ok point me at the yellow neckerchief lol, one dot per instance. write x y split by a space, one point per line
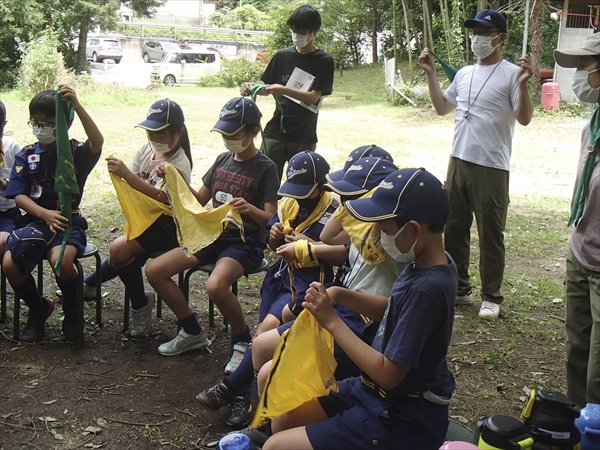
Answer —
289 208
197 227
363 235
140 211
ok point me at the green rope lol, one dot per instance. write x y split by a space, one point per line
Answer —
447 68
254 89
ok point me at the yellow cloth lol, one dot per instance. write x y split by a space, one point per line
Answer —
363 235
303 368
289 209
197 227
305 255
140 211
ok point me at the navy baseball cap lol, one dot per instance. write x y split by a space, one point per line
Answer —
488 18
412 194
236 114
356 154
2 118
362 176
161 114
305 171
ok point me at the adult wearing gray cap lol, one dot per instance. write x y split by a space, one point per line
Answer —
488 97
583 262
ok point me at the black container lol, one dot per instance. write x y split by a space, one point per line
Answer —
501 433
550 419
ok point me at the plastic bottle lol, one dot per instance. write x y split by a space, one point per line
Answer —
589 426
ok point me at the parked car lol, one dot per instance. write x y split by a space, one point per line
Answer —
185 66
155 50
99 49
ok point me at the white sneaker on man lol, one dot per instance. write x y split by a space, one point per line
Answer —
183 342
489 310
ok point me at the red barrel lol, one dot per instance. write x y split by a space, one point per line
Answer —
551 96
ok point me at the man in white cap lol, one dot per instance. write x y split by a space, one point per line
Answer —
488 97
583 262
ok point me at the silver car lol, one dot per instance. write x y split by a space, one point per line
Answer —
155 50
99 49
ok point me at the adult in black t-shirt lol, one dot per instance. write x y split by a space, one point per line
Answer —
298 130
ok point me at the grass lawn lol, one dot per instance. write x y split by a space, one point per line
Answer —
494 362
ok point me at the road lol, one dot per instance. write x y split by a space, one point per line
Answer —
131 74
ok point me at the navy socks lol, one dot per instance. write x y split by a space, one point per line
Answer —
107 271
244 337
69 290
130 272
240 380
30 295
190 325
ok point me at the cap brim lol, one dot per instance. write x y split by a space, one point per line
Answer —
152 125
472 22
343 187
297 191
568 58
366 210
228 128
332 177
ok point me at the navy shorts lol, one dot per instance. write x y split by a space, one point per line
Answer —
351 424
161 236
8 219
77 238
230 245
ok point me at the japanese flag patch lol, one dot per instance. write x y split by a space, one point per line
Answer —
33 158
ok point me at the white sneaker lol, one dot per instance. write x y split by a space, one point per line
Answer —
142 318
89 292
183 342
239 350
489 310
464 299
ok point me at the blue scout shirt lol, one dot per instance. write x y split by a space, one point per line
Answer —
34 168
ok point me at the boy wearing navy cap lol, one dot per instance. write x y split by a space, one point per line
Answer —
401 399
301 216
488 98
32 187
356 154
246 179
8 210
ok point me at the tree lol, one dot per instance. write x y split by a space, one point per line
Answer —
18 23
75 18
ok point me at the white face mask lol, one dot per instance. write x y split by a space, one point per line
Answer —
389 245
44 135
236 146
300 40
160 148
582 88
482 46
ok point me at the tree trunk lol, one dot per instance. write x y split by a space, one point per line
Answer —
536 38
407 30
374 36
83 32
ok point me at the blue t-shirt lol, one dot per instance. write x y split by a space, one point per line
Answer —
417 327
34 171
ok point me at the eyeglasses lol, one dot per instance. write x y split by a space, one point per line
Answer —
486 33
42 125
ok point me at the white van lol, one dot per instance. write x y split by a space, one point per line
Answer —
185 66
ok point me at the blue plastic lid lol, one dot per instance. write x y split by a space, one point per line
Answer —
235 441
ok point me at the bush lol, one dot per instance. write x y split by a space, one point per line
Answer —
43 66
233 73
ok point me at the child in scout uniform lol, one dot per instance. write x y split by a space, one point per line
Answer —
401 399
167 143
32 183
302 214
9 212
245 179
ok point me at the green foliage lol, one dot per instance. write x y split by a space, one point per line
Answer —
43 66
281 37
247 17
18 21
233 73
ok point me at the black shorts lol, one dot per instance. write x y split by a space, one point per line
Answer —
161 236
248 253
